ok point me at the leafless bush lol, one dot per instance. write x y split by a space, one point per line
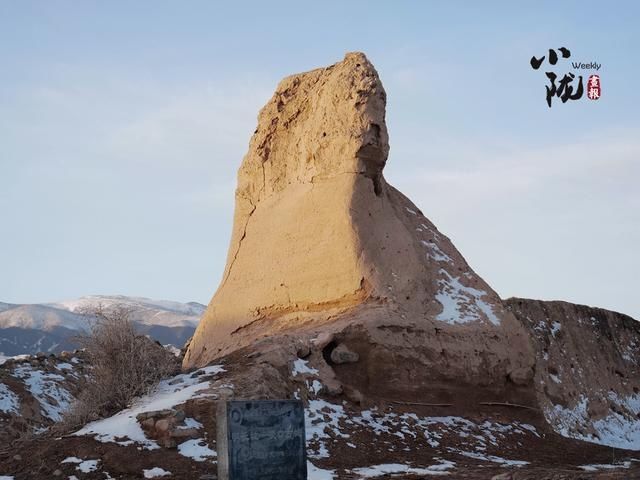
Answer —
124 365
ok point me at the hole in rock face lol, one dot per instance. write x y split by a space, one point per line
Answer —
326 352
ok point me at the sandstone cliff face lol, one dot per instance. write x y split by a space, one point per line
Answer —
587 372
321 244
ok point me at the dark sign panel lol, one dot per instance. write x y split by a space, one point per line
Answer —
261 440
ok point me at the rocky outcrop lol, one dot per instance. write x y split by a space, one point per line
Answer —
587 370
36 391
330 263
322 243
167 427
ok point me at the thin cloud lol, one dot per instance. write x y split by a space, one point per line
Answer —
472 172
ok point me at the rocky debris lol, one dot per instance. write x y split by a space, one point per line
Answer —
35 391
403 440
342 354
167 427
587 370
323 248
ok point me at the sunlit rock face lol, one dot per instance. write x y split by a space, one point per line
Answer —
322 243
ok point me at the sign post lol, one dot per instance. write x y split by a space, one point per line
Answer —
261 440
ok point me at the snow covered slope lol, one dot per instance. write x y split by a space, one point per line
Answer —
35 390
171 430
587 370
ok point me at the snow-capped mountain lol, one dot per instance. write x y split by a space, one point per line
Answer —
31 328
41 317
143 310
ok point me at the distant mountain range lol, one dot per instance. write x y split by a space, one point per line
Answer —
51 327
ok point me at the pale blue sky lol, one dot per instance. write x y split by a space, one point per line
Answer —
122 125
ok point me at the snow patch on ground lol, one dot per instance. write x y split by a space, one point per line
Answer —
615 430
436 253
435 233
329 416
327 422
155 472
599 466
123 427
191 423
301 367
315 473
490 458
314 387
45 387
85 466
64 366
9 401
630 403
565 420
3 359
88 466
196 450
461 304
630 354
396 468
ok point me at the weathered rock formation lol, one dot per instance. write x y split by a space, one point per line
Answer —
587 370
338 292
322 243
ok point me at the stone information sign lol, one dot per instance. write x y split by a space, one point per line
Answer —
261 440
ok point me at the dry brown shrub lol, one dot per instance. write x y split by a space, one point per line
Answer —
124 365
